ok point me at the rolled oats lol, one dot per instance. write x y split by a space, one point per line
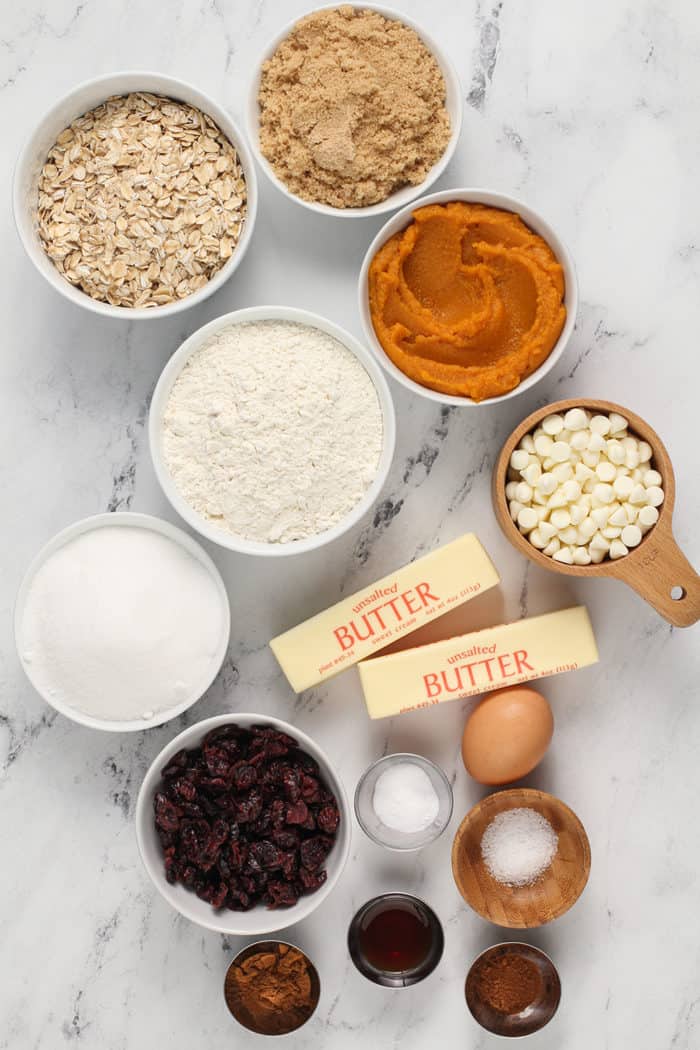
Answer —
141 201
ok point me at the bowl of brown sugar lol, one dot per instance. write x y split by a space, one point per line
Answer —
512 989
354 110
272 988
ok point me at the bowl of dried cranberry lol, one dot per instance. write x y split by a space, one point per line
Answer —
242 825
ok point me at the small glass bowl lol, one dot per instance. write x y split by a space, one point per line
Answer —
396 978
390 837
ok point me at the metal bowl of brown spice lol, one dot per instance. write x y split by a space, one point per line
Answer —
513 989
272 988
354 110
135 196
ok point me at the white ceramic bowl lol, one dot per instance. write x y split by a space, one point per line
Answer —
259 920
453 103
164 528
80 100
162 393
532 219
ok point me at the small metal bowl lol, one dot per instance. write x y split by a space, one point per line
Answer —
395 978
533 1016
390 837
242 1015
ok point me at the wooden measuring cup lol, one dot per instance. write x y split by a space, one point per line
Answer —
657 569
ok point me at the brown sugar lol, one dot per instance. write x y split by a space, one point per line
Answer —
352 108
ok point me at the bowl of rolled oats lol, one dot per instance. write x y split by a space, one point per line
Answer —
135 196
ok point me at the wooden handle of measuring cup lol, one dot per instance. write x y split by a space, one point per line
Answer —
658 571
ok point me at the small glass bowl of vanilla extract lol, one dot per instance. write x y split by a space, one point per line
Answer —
395 940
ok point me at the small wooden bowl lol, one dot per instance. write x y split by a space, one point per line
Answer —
657 569
522 907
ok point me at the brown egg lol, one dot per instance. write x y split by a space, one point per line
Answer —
507 735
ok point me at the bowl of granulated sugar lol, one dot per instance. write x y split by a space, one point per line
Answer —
122 622
271 431
354 110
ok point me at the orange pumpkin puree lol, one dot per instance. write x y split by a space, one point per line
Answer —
467 300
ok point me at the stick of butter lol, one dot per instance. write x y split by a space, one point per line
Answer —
383 611
478 662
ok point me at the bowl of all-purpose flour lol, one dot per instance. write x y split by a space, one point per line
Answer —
122 622
271 430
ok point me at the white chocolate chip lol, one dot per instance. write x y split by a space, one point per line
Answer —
610 532
575 419
552 547
591 459
553 425
523 493
527 443
560 518
546 530
531 473
600 425
600 516
579 440
519 459
537 539
564 555
546 483
645 452
527 518
560 452
569 535
618 517
603 493
599 543
631 535
596 442
615 452
514 507
623 486
581 556
647 517
543 445
617 423
597 556
617 550
606 471
638 494
651 478
655 496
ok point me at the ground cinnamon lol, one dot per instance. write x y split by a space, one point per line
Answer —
272 991
508 983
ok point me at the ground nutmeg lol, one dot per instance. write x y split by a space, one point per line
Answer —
508 983
272 991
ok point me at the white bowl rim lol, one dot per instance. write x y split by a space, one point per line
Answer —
532 218
155 83
280 918
163 528
408 193
174 366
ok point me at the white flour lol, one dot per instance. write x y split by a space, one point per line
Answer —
122 623
273 431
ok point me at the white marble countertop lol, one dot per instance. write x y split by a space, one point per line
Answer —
589 111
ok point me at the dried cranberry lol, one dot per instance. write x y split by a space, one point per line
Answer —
286 838
167 813
314 851
281 894
237 819
328 819
245 776
297 813
175 765
312 880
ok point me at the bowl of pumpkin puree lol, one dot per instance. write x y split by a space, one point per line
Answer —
468 297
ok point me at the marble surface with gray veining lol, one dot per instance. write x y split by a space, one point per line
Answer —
586 109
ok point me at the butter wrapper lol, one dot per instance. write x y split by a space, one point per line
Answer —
478 662
378 614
